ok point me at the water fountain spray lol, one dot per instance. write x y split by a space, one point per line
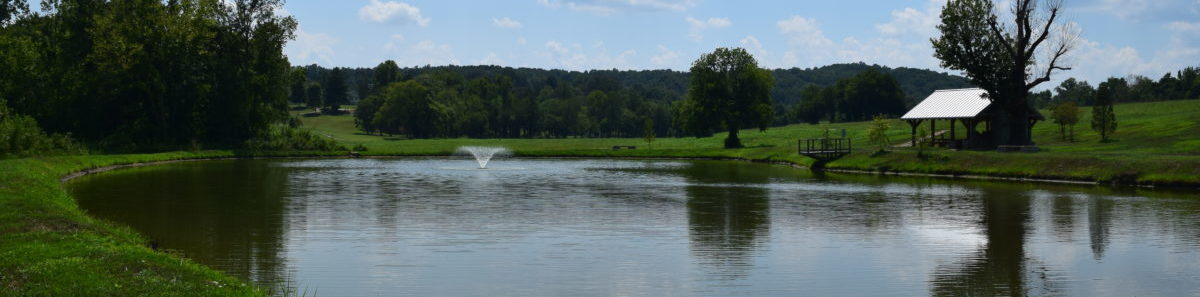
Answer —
483 154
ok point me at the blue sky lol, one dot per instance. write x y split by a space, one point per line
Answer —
1117 37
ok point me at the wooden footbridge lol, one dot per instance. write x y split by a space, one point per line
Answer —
825 149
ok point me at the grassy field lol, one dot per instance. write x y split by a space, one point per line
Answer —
1156 143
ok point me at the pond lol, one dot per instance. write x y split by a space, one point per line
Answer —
547 227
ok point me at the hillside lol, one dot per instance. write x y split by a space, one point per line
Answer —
667 85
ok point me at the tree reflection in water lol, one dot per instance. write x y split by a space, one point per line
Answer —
728 216
1002 267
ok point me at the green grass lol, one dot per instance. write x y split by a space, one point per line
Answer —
1156 143
49 247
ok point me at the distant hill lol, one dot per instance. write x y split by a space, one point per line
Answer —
670 85
916 83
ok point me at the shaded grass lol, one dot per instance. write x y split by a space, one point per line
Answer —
1155 144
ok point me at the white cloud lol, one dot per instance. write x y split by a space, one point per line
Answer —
422 53
665 58
804 32
809 47
521 40
311 48
1184 27
911 21
1148 10
491 59
608 7
698 26
574 57
392 12
506 22
755 47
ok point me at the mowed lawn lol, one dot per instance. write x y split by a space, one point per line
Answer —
1155 143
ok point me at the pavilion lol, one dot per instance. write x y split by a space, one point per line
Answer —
971 107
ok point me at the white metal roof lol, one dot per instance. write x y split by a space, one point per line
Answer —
950 104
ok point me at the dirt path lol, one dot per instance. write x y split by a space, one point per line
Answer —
909 142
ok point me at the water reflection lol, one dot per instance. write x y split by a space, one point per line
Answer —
1002 267
651 228
1099 221
234 225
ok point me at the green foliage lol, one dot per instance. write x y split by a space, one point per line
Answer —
385 74
407 108
1065 114
728 91
335 91
1104 120
20 136
648 131
1071 90
856 98
285 138
877 132
999 57
136 75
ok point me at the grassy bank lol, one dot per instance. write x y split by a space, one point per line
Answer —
49 247
1156 144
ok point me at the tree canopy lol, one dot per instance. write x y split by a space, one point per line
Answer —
1007 60
728 90
135 75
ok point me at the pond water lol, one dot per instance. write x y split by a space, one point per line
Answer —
534 227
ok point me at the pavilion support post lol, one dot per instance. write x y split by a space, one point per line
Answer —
952 121
914 124
932 131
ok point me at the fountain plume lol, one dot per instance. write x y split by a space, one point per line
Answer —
483 154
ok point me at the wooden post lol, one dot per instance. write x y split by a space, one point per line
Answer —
932 131
953 138
914 124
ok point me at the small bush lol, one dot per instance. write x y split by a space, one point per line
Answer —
285 138
20 136
360 148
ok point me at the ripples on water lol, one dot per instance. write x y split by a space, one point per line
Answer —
424 227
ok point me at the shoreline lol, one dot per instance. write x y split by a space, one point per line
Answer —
946 176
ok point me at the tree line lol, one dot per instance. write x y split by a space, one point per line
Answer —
1181 85
493 101
140 75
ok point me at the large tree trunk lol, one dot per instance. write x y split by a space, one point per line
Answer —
732 141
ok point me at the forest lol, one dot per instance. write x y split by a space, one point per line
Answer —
146 75
493 101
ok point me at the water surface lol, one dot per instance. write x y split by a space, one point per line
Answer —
425 227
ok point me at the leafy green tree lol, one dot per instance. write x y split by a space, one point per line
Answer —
296 92
408 109
335 90
877 132
1076 91
315 94
648 132
10 9
728 90
385 74
1104 120
1066 114
1001 58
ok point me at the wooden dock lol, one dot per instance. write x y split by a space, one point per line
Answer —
825 149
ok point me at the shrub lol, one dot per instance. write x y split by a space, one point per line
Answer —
285 138
20 136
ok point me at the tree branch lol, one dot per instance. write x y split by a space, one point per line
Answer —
999 35
1058 53
1045 29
